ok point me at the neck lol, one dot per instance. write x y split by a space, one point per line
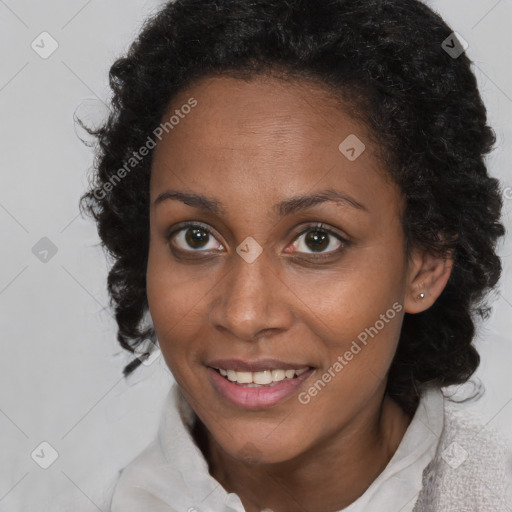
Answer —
329 476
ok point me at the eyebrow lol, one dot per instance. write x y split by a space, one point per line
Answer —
287 207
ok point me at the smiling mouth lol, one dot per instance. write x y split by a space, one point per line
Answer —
265 378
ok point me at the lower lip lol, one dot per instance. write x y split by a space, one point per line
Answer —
256 398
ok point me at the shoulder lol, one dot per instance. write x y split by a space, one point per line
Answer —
472 468
135 481
89 495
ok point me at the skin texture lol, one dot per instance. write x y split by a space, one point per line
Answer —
251 145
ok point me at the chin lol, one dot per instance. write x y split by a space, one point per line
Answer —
257 450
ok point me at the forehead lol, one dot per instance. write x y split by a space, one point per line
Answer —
236 111
265 137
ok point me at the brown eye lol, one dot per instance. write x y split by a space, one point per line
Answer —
196 238
319 239
193 238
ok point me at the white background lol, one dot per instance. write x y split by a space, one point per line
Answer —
60 368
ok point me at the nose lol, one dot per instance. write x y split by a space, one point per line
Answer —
251 301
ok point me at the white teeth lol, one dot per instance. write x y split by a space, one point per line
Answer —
278 375
254 379
244 377
264 377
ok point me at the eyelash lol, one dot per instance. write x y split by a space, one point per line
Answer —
315 227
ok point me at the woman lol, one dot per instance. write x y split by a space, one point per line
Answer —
295 192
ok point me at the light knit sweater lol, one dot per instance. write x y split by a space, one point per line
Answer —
446 462
472 468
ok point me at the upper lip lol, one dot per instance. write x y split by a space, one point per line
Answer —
255 366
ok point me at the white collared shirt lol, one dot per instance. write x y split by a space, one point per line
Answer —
171 474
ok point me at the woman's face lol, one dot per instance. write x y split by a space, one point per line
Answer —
247 282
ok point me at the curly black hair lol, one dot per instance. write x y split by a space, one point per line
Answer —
388 62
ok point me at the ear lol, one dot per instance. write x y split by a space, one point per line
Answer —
427 273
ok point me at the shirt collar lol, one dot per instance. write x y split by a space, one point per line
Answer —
395 489
172 474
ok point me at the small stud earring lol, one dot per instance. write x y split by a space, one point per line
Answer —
421 296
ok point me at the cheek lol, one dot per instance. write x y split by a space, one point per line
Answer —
357 314
355 368
173 292
175 306
343 303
